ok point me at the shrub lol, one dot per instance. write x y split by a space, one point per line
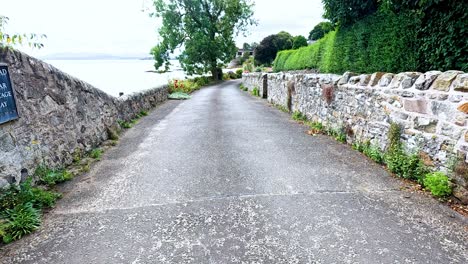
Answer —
338 134
44 199
316 127
373 152
414 168
4 229
341 136
186 86
25 193
310 57
384 41
202 81
124 124
298 116
96 154
256 91
239 73
233 75
19 221
248 66
403 165
394 136
438 184
51 177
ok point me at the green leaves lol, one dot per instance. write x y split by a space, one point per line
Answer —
19 221
299 41
9 40
203 29
320 30
401 36
268 48
438 184
20 209
346 13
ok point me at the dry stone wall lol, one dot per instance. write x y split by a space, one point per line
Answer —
432 108
59 115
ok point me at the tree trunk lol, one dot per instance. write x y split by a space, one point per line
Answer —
217 74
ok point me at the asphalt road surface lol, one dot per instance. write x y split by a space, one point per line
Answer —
226 178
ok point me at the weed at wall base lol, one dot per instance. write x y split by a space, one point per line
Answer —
96 154
51 177
438 184
19 221
282 108
20 209
298 116
124 124
255 91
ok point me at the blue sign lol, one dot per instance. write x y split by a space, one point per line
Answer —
8 110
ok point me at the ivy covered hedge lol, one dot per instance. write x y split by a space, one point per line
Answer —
390 41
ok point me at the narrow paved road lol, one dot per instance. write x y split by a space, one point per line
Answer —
225 178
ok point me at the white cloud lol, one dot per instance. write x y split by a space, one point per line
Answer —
120 26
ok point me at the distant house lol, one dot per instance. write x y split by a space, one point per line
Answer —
241 52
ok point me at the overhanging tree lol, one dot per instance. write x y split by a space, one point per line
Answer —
320 30
266 51
299 41
204 30
346 13
9 40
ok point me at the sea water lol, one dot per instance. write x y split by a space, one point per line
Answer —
119 76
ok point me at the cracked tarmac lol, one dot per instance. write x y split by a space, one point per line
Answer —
225 178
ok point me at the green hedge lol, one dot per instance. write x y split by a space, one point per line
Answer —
313 56
383 41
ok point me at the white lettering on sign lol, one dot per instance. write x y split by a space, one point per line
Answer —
5 95
3 86
3 72
3 104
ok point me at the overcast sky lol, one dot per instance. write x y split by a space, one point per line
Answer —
120 27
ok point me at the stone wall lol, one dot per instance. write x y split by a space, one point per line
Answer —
59 115
432 107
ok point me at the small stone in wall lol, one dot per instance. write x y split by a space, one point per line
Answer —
451 130
407 94
7 143
455 98
463 108
354 79
443 81
375 78
426 159
417 106
425 80
425 124
408 79
461 83
364 79
442 97
345 78
461 193
397 81
386 79
460 120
